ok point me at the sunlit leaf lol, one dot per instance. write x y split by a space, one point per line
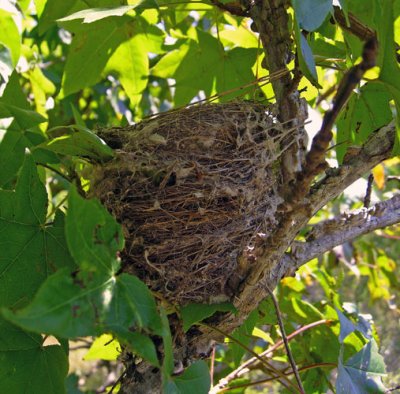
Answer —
9 35
105 347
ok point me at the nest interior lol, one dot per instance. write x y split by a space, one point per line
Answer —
192 189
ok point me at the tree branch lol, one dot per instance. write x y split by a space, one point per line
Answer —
326 235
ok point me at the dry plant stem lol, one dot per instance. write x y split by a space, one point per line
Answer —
286 342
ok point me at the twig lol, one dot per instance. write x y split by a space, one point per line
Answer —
253 362
367 198
269 367
212 364
286 342
306 368
355 27
116 382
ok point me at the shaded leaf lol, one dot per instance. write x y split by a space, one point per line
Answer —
194 313
133 302
27 244
168 362
93 235
195 380
362 373
306 57
364 113
63 307
38 370
311 13
139 344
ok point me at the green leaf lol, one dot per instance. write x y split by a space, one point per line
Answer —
243 335
130 61
346 326
365 112
27 366
133 302
55 9
27 244
89 52
64 307
93 235
9 35
195 380
305 56
311 13
205 65
23 118
390 70
13 338
168 362
362 373
42 369
105 347
90 15
194 313
140 344
78 141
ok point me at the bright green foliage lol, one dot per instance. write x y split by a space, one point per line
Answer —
105 347
69 67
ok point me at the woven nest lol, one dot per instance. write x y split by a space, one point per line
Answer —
192 189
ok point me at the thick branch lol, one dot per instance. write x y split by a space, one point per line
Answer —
327 235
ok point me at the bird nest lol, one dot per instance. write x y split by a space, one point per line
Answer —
192 189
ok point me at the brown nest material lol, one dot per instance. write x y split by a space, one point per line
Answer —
192 189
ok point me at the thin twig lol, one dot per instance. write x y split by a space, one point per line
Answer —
117 381
367 198
285 341
212 362
269 367
306 368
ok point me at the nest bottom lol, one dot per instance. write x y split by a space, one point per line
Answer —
192 189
